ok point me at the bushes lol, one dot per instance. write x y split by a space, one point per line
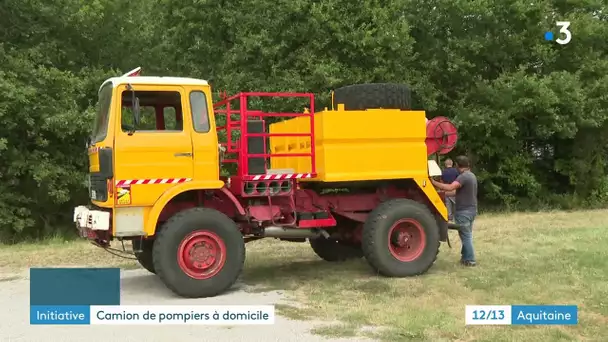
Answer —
532 114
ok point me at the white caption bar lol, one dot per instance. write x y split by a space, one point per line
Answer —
183 315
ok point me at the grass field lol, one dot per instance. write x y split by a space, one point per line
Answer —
542 258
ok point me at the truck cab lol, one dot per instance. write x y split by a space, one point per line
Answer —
150 134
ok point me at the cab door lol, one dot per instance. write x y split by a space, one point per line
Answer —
154 156
204 136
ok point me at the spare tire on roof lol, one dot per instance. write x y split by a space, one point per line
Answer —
373 95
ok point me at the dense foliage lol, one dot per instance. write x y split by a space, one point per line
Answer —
532 114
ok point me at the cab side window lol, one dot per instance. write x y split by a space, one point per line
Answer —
170 119
200 113
158 111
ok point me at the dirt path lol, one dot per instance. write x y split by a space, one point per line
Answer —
141 288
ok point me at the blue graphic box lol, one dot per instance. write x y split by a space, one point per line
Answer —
74 286
64 295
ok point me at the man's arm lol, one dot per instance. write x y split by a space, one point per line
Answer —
446 187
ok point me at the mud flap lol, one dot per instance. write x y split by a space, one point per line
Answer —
453 226
443 230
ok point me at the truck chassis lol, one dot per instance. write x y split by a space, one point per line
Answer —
198 249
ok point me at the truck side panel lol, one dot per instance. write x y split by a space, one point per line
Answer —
356 145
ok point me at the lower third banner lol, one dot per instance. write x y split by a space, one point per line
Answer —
154 315
521 314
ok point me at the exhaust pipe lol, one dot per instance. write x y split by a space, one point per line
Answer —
280 232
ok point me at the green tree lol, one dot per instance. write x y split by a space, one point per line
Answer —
531 113
54 55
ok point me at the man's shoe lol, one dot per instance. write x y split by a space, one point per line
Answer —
468 263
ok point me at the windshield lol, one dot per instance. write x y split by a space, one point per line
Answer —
100 127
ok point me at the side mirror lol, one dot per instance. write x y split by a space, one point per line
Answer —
134 106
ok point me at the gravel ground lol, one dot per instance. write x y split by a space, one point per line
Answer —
142 288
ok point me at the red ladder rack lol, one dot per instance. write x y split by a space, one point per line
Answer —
240 148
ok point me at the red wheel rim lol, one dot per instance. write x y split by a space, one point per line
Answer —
406 240
201 254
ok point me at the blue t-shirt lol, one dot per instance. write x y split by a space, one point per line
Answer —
449 175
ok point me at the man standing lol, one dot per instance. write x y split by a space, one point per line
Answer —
465 209
448 176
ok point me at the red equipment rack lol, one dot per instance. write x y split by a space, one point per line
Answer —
240 147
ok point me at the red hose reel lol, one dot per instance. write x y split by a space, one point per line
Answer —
441 135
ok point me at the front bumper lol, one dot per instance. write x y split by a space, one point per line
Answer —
89 222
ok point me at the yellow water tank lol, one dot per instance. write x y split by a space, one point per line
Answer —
371 144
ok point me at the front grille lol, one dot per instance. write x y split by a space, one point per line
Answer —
98 190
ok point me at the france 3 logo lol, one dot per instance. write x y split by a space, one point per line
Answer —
565 34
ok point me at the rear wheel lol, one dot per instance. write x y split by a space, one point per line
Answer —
200 252
401 238
143 252
334 250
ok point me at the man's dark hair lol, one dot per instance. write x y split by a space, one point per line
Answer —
463 161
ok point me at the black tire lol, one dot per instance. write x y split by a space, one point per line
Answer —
215 225
375 240
333 251
374 95
143 252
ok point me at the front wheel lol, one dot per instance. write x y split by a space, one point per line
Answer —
401 238
199 253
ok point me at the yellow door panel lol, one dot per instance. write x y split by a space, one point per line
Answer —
151 160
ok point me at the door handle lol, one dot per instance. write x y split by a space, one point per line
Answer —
183 154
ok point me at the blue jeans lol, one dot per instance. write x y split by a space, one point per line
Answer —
449 203
465 220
